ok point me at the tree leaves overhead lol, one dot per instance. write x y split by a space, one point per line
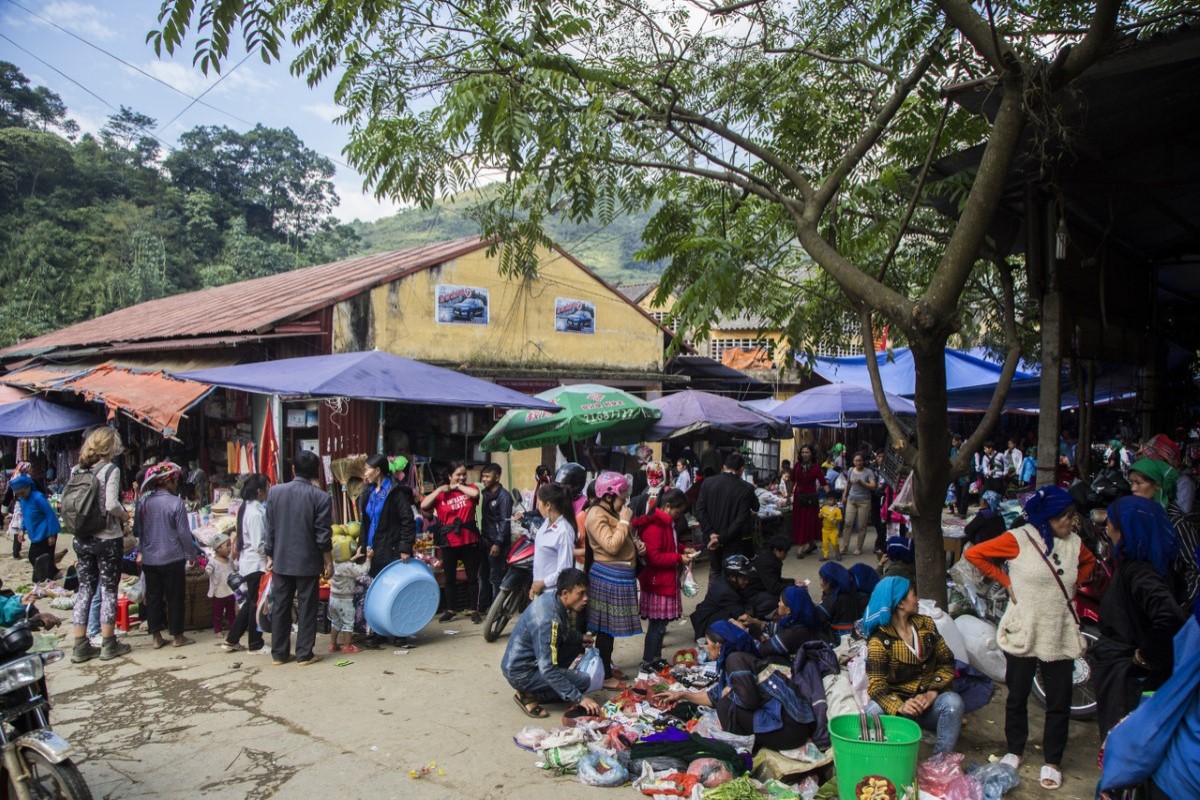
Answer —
91 226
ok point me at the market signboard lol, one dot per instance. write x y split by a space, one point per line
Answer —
574 316
461 305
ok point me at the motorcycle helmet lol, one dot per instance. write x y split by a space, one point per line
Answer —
573 476
738 565
611 483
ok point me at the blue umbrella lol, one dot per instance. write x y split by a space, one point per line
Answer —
838 405
372 375
692 412
27 419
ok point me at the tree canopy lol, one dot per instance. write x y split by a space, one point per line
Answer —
788 144
95 223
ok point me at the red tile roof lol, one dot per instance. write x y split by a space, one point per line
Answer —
253 306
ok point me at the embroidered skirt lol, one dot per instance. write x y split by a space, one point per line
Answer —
613 600
657 606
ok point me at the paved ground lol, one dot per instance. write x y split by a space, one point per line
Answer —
196 722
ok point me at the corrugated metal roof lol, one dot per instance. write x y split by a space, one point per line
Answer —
636 291
41 377
253 306
152 398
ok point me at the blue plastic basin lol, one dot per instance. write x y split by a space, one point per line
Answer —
402 599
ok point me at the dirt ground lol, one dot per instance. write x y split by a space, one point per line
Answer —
197 722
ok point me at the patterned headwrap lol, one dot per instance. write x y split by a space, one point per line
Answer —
161 472
1160 473
1160 447
1146 533
1046 504
656 474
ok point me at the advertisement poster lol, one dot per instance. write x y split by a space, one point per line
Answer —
461 305
574 316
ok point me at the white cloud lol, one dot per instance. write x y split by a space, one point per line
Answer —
192 81
357 204
81 18
324 111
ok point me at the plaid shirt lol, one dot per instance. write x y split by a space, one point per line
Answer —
895 674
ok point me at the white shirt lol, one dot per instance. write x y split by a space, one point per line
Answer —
683 482
553 551
1015 457
254 530
1185 493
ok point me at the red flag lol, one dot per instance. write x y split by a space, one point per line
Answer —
268 450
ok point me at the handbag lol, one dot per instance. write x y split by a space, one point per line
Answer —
806 500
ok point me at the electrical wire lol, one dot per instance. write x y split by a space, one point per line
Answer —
214 85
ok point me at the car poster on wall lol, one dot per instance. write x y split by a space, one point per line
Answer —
462 305
574 316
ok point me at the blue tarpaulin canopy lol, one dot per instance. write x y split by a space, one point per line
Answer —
898 372
372 375
33 417
838 405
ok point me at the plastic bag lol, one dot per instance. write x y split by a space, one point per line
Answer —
529 738
597 769
592 666
996 779
964 787
710 771
562 759
689 586
936 774
858 679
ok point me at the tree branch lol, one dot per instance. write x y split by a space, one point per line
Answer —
833 181
1094 45
899 435
871 65
982 36
972 228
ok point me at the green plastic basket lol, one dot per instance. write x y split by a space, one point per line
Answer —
854 759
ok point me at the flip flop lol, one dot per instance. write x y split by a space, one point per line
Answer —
536 711
1051 777
1011 759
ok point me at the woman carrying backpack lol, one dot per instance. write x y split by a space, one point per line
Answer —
98 553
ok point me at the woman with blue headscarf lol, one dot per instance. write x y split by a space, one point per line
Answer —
1138 615
909 665
749 696
797 620
1039 632
841 604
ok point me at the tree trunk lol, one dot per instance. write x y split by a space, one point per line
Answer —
932 470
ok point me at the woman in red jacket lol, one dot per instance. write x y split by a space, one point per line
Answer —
660 601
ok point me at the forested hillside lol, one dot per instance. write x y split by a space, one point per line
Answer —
93 223
608 250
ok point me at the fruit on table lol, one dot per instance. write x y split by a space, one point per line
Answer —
875 787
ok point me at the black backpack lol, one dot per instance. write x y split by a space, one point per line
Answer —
82 508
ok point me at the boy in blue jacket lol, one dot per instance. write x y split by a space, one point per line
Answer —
40 524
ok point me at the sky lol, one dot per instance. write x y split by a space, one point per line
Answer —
94 85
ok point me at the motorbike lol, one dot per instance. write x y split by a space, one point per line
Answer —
36 762
513 597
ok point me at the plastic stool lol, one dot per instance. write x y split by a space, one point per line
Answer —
123 616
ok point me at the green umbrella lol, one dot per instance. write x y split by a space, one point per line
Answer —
588 409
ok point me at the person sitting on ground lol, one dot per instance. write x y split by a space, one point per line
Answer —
864 579
797 620
842 605
767 581
900 559
988 523
727 596
536 661
40 523
751 698
909 665
17 608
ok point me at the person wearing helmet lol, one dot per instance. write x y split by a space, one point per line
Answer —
611 564
725 508
727 597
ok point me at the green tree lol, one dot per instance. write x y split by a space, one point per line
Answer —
764 126
26 106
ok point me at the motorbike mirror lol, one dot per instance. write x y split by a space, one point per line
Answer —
516 496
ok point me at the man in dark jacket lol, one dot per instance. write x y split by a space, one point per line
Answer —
496 533
727 598
725 510
298 546
767 582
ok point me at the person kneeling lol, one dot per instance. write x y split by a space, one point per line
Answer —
536 661
909 665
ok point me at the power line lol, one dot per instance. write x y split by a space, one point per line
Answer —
133 67
214 85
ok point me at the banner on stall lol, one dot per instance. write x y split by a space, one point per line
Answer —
574 316
461 305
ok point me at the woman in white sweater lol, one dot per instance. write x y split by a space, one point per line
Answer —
1046 563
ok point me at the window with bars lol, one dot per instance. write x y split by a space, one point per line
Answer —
717 347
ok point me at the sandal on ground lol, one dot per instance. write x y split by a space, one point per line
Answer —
530 707
1011 759
1051 777
619 675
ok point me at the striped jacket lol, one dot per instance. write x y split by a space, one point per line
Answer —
895 673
